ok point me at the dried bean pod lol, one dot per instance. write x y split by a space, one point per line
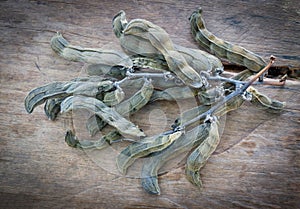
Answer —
160 40
223 49
105 58
187 141
127 107
200 155
107 114
143 148
197 59
64 89
264 101
119 23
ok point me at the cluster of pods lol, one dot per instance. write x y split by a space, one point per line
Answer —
159 70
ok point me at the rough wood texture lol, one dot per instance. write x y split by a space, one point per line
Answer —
257 164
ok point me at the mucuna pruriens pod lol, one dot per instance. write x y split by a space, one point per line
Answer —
104 57
107 114
223 49
200 155
186 142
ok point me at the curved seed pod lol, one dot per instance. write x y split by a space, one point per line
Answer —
197 59
107 114
114 97
105 57
183 144
52 108
145 38
133 44
200 155
223 49
143 148
64 89
119 23
129 106
264 101
136 45
137 101
72 140
39 95
161 41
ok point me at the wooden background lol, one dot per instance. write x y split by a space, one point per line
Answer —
257 164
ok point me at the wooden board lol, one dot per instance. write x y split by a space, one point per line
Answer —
257 164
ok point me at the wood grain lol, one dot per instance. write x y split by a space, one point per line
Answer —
257 164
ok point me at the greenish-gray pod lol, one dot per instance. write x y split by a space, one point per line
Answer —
199 60
200 155
64 89
127 107
158 40
187 141
107 114
144 38
105 58
166 71
145 147
264 101
223 49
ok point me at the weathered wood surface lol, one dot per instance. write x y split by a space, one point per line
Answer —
257 164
